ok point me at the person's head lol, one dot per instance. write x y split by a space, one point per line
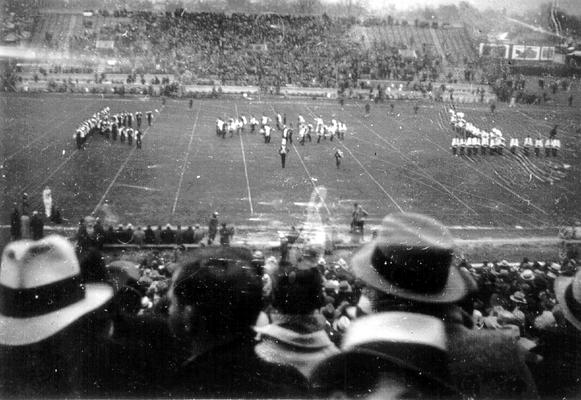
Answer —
298 291
216 293
390 355
89 223
411 260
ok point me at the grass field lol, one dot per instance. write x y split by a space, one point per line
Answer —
393 162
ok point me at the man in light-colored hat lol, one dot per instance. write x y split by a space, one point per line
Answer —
557 375
389 355
52 323
408 267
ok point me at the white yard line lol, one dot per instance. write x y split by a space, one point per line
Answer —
373 179
57 169
48 132
366 171
175 203
309 175
121 168
425 174
311 179
245 167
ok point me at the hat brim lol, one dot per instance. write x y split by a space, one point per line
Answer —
455 289
561 284
24 331
519 301
325 371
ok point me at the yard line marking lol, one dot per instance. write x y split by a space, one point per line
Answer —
139 187
443 191
311 180
525 200
365 169
309 175
373 179
425 174
49 131
175 203
52 173
245 167
121 168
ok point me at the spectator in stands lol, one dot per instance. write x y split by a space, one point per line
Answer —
213 227
215 298
138 237
149 235
25 226
15 231
110 237
389 355
297 337
557 375
188 236
54 326
89 235
198 234
179 235
226 233
157 234
408 268
168 235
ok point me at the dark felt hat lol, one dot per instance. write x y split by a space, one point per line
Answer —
411 258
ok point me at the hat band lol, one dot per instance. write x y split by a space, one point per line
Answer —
573 305
32 302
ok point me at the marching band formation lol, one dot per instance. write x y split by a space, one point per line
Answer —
472 140
120 125
306 131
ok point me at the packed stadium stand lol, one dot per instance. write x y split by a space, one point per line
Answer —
255 49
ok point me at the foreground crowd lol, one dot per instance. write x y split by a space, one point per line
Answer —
400 320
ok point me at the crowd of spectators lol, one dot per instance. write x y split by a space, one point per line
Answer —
246 324
248 49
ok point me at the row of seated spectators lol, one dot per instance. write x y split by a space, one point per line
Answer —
253 49
92 234
401 317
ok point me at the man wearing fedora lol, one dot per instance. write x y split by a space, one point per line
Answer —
557 375
389 355
53 325
408 267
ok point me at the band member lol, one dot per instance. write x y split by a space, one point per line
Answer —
283 151
138 138
338 157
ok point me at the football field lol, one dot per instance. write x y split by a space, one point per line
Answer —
393 161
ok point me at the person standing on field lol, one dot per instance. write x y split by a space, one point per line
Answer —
283 151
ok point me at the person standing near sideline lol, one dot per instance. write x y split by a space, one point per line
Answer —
338 157
358 221
283 151
213 227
